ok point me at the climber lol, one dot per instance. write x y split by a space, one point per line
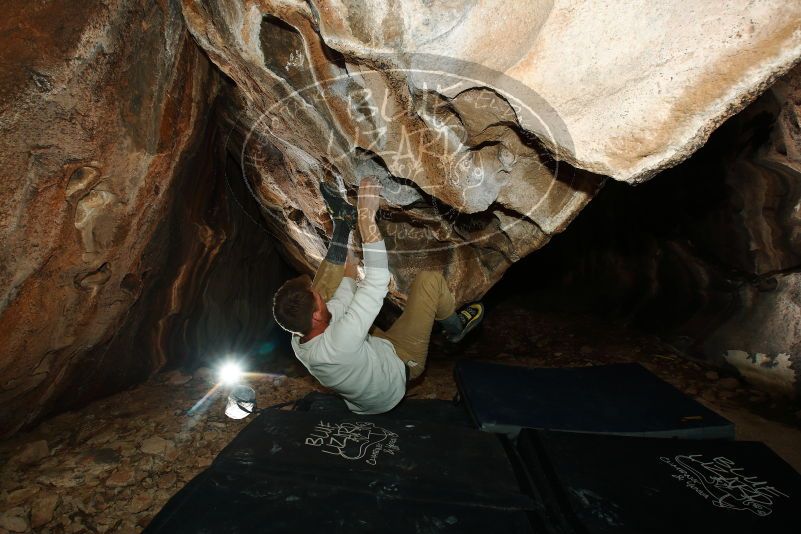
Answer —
331 317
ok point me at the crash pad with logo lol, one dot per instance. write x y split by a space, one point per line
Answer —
328 470
602 484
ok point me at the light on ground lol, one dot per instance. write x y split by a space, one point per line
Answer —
230 373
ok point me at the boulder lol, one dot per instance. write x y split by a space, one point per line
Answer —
467 190
623 89
640 85
481 119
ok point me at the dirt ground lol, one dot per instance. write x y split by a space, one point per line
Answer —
111 466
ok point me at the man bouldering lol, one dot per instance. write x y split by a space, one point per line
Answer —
331 318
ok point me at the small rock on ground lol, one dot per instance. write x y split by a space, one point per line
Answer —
32 452
123 476
140 502
156 446
177 378
42 510
14 520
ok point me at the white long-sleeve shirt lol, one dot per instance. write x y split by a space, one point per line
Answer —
362 368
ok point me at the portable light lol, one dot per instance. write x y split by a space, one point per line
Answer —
229 373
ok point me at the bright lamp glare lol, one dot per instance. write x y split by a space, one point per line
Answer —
230 373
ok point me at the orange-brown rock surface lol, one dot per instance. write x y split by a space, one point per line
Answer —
102 103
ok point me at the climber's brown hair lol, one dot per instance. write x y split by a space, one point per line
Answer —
294 304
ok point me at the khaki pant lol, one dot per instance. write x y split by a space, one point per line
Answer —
429 299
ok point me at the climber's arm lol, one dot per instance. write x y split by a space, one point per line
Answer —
352 265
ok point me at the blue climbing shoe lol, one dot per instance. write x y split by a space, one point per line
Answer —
471 316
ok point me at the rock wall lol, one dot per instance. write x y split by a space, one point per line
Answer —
709 253
103 105
762 338
476 116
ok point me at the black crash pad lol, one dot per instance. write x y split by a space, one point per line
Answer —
224 503
623 399
597 484
406 458
421 410
328 470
